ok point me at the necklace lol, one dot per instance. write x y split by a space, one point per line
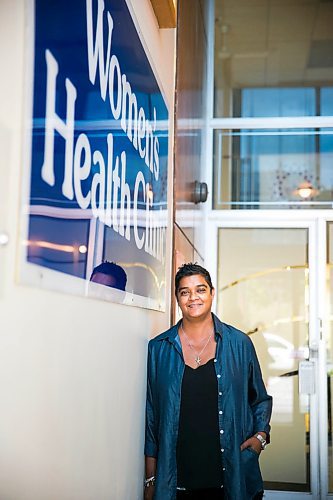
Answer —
197 355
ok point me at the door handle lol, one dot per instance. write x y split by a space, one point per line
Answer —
306 377
4 238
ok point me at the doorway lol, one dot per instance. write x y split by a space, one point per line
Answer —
274 282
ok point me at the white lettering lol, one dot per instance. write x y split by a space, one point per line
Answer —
54 123
124 193
149 204
114 66
132 112
139 180
149 146
98 185
96 53
82 172
141 131
108 209
156 158
123 101
109 193
116 185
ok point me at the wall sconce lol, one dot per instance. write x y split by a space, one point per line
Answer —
305 190
200 192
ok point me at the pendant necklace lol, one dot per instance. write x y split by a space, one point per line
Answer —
197 355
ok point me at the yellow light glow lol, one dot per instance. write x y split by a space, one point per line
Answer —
50 246
306 190
83 249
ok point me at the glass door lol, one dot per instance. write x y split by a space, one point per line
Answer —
326 304
265 275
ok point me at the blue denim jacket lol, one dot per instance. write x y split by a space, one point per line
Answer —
243 404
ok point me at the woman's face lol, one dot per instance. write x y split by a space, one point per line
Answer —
195 297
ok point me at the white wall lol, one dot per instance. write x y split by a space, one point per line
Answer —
72 370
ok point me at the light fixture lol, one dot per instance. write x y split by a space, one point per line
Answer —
305 190
83 249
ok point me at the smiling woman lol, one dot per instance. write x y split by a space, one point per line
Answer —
195 298
208 411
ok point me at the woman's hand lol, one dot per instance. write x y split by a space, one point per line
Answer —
150 467
253 443
149 492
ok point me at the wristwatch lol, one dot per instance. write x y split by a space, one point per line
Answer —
150 481
262 441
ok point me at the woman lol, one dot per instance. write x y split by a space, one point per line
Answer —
208 412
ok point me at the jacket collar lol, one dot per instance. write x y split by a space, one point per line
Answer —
218 325
172 333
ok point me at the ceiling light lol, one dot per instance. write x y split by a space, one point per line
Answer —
305 190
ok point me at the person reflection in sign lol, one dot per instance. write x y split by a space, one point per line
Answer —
109 274
207 410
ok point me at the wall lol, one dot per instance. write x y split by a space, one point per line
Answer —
72 370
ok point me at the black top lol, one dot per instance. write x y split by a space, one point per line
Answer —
198 445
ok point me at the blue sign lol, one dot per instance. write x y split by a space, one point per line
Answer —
99 156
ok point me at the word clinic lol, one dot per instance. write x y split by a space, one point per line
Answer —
107 183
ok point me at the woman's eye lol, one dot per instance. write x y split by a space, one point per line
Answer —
201 290
184 293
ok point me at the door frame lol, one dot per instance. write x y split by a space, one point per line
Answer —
316 223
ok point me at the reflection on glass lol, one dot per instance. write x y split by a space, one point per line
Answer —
109 274
145 275
273 169
271 58
59 244
263 290
96 176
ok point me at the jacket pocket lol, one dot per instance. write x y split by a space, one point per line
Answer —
251 472
252 450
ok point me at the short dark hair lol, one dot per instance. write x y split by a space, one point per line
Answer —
114 270
191 269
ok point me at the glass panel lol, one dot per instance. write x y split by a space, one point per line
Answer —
94 175
263 290
273 169
330 354
59 243
273 58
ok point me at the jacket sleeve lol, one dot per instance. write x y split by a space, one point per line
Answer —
260 402
151 446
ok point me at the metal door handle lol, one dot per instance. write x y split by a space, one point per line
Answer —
4 238
306 377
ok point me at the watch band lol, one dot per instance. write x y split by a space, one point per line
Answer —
262 441
150 481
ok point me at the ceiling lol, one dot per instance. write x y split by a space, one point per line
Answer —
273 43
